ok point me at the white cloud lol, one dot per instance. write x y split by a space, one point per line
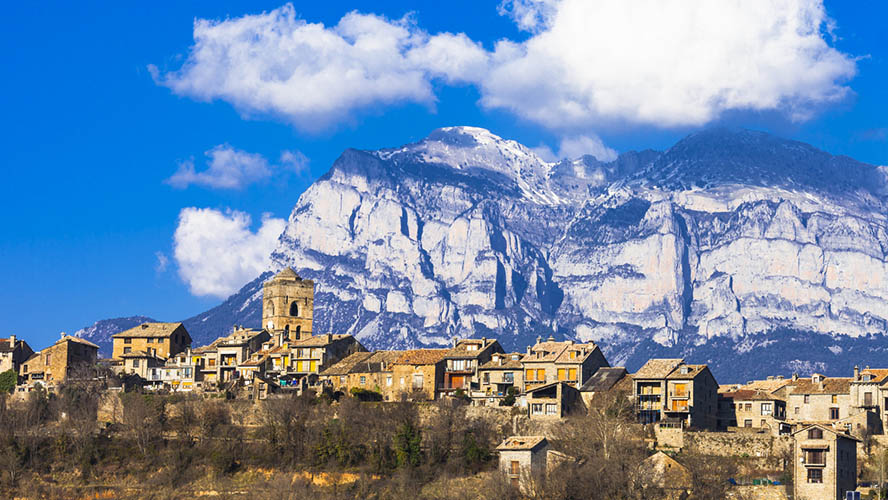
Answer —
162 262
217 252
584 65
577 146
664 62
317 76
230 168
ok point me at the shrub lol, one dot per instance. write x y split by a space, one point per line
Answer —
365 395
509 400
407 445
8 380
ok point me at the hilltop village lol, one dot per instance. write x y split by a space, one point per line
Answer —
812 437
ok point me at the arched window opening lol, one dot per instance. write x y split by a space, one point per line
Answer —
287 330
294 309
298 332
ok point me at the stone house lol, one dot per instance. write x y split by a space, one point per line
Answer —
753 410
288 305
820 399
235 349
604 380
418 373
53 364
868 395
13 352
364 370
523 459
182 372
144 364
663 473
502 373
824 463
555 400
158 339
550 361
677 392
311 356
462 363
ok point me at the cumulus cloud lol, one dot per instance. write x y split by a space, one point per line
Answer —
217 252
230 168
316 76
584 64
577 146
665 62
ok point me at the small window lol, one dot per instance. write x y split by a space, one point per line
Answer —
417 380
388 380
815 476
551 409
796 410
536 409
486 377
815 433
767 408
514 468
835 399
135 363
363 379
48 358
747 422
294 309
150 340
127 350
807 398
833 413
127 340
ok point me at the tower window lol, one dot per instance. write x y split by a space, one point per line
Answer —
298 332
294 309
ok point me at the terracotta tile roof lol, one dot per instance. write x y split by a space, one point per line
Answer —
239 337
318 340
657 368
507 362
421 356
830 385
767 385
346 364
256 361
462 351
559 352
149 330
78 340
604 379
746 395
880 375
691 372
515 443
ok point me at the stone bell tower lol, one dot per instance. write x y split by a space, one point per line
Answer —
288 305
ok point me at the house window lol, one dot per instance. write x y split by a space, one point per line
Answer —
541 375
747 422
513 481
187 372
796 410
472 347
536 409
680 390
815 476
833 413
767 408
363 379
127 350
867 399
509 378
514 468
551 409
572 374
417 380
529 374
762 423
127 340
294 309
486 378
401 381
562 374
150 340
388 380
748 406
807 398
573 354
459 364
835 399
815 457
815 433
342 379
135 363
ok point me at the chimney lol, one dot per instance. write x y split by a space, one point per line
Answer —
770 377
455 341
856 372
551 338
12 341
329 338
539 338
483 342
795 376
62 335
779 377
528 349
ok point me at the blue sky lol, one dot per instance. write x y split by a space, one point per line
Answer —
92 138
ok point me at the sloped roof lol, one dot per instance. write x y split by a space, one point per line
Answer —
71 338
507 364
767 385
6 345
318 340
880 375
461 350
345 365
692 371
604 379
665 471
559 352
421 356
747 395
825 427
142 354
830 385
287 273
517 443
149 330
238 337
657 368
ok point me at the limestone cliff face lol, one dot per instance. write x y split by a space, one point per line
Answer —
728 234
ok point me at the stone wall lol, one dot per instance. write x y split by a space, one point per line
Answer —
743 445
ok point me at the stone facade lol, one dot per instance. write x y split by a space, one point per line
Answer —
463 361
553 400
12 352
288 305
154 339
820 399
674 390
53 364
550 361
502 373
825 463
522 459
753 410
418 373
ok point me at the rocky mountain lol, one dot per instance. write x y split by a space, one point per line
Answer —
733 244
100 332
